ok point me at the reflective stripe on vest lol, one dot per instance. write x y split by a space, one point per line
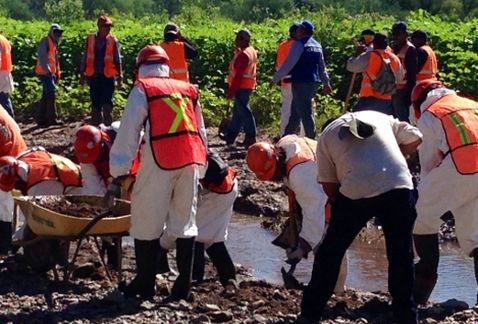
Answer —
177 60
174 134
307 150
52 61
430 67
6 64
226 185
110 69
248 80
374 66
402 84
282 53
459 118
44 166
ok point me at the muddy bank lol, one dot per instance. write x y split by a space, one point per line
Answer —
89 297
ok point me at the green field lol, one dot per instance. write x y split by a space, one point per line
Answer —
456 44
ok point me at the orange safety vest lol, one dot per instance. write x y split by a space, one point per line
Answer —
11 140
6 64
226 185
374 66
402 84
430 68
110 69
174 132
459 118
177 60
282 53
52 59
249 78
44 166
307 151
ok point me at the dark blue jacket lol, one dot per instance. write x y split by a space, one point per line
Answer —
311 65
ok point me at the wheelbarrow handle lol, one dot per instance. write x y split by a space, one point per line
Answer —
92 223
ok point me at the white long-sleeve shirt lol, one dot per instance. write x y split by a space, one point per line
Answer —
134 117
434 143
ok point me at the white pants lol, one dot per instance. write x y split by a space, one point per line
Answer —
442 190
286 96
163 198
6 206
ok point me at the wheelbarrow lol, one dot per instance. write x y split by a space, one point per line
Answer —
48 233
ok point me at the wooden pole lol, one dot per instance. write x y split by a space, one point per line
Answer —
349 93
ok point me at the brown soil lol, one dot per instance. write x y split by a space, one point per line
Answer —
64 206
89 297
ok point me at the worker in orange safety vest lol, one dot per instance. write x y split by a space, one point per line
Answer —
165 193
293 160
449 168
180 50
370 64
407 54
241 82
426 58
48 70
11 144
100 67
6 79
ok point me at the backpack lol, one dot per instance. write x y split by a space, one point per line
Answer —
384 82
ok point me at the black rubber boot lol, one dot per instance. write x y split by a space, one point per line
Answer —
107 114
111 253
426 269
5 237
143 285
184 262
475 259
199 262
223 262
163 264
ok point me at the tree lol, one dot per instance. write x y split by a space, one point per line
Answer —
63 10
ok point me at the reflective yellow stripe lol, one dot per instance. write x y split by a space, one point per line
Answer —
180 112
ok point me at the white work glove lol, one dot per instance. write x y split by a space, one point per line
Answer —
301 250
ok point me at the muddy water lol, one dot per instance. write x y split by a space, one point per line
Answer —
249 245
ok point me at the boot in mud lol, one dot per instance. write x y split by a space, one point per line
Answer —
225 267
5 237
163 264
184 262
143 285
426 269
199 262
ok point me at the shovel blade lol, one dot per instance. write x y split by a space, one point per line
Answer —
290 282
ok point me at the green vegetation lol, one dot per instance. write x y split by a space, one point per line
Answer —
456 44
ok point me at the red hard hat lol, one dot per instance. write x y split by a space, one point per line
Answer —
152 53
262 160
421 87
87 144
8 173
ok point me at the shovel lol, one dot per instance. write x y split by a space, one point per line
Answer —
224 125
290 282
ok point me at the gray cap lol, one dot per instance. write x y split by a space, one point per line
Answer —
357 128
171 28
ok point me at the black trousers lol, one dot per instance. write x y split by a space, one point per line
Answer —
396 212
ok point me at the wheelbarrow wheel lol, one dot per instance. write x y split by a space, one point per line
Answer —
43 255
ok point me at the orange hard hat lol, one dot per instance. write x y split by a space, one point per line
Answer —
152 54
87 144
262 160
8 173
421 89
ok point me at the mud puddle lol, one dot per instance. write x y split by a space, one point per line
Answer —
249 245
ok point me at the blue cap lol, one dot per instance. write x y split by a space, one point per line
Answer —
399 26
307 25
